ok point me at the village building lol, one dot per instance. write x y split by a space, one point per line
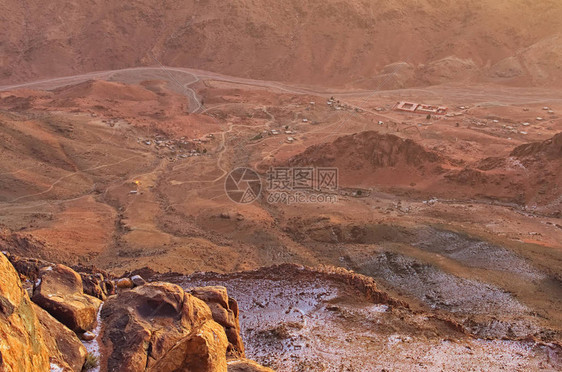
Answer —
420 108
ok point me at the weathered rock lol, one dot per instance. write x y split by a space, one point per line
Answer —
225 312
158 326
65 349
218 295
203 351
28 267
124 283
28 270
138 280
61 293
95 282
246 365
145 272
87 336
22 346
96 285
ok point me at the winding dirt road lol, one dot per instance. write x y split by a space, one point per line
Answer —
493 95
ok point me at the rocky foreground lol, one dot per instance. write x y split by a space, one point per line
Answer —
295 318
288 317
51 319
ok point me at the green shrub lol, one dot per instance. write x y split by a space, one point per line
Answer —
91 362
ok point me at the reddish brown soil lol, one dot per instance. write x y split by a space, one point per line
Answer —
114 160
531 174
95 177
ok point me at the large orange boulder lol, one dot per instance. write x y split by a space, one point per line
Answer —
225 312
60 291
65 348
203 351
22 347
159 327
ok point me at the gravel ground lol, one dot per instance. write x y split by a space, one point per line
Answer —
300 323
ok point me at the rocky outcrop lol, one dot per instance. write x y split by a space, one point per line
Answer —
60 292
367 150
548 149
225 313
202 351
152 327
64 347
362 283
124 283
159 327
97 285
28 267
138 280
95 282
22 347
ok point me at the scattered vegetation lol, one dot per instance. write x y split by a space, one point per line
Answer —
91 362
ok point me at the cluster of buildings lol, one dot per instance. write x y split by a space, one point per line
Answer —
178 149
337 105
275 132
420 108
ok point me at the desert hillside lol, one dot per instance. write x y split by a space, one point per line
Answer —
187 184
531 173
371 44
